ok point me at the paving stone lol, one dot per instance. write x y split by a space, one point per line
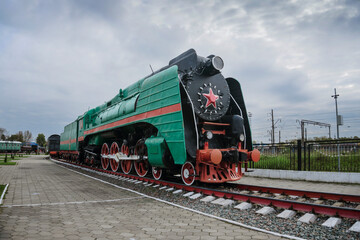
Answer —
355 227
265 195
287 214
331 222
338 204
280 197
223 202
307 218
177 191
217 201
293 196
265 210
243 206
227 202
208 199
195 196
188 194
319 202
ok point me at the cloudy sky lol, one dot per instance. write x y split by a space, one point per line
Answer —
60 58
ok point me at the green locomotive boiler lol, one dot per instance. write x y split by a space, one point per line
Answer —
185 118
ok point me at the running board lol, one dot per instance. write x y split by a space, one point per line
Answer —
122 157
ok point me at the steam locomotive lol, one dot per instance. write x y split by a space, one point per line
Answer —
185 118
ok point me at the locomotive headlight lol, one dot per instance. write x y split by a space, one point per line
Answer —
217 63
209 135
242 137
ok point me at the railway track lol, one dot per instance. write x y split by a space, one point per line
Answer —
266 196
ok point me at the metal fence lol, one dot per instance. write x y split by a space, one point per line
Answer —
332 155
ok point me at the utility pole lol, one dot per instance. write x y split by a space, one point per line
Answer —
273 123
279 136
272 128
335 96
250 115
304 130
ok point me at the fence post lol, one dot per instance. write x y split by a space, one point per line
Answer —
309 157
299 154
305 155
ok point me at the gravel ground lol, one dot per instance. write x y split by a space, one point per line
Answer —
270 222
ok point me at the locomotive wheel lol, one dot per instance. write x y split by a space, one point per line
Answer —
188 173
142 165
156 172
113 150
105 161
126 165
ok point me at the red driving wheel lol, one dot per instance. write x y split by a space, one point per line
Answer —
188 173
105 161
157 172
126 165
141 165
114 149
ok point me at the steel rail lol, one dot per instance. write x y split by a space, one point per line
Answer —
280 203
300 193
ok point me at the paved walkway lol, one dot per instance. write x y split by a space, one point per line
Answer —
46 201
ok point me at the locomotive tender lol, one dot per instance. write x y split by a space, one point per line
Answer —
185 118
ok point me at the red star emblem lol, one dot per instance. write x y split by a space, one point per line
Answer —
211 98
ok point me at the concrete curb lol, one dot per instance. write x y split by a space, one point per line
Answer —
3 194
332 177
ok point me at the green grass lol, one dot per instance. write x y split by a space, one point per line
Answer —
9 160
7 163
318 162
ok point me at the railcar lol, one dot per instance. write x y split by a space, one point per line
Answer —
30 147
185 118
10 146
53 145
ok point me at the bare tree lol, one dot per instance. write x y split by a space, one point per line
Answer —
27 136
3 133
20 137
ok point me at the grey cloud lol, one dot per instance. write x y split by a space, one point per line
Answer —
66 56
